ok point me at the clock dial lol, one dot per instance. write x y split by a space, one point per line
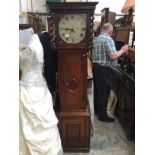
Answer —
72 28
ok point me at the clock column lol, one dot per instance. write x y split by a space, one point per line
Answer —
74 115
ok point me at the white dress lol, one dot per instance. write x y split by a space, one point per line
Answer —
38 133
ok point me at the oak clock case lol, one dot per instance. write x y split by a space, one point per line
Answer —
72 28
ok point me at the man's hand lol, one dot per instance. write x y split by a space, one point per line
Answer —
125 48
117 54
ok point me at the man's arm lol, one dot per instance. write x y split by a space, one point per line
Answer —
117 54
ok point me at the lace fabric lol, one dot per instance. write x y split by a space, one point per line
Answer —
31 66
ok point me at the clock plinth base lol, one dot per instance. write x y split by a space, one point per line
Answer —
75 131
78 150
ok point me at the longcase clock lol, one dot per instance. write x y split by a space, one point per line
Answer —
71 31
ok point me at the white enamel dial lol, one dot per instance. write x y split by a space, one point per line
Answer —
72 28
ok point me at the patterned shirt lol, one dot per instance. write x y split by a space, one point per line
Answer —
103 45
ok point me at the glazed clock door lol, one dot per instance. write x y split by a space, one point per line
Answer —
72 81
72 28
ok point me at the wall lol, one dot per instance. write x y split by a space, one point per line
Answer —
37 5
113 5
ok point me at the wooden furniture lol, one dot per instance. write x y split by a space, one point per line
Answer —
125 108
74 115
35 20
125 82
125 35
25 26
106 17
131 53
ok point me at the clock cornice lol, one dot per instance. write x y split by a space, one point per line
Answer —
55 6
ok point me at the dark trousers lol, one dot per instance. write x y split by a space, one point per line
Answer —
102 78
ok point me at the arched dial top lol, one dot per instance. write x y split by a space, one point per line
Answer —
72 28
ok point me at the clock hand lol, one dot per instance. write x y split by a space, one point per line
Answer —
71 29
65 28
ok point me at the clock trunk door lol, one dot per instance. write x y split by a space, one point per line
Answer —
72 80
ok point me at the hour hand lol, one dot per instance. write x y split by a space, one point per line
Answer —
71 29
63 28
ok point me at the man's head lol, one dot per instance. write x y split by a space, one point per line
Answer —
107 28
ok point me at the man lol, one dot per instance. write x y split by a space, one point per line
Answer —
104 57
